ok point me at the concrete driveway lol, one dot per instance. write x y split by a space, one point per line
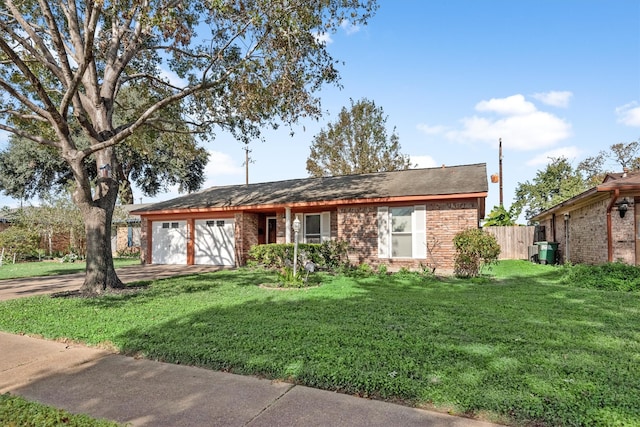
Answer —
29 286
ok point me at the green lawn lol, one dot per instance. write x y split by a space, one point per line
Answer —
16 411
519 347
51 268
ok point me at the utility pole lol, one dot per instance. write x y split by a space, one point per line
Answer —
500 169
247 160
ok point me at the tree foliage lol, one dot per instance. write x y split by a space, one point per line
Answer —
356 143
499 216
623 155
239 65
19 243
558 182
56 215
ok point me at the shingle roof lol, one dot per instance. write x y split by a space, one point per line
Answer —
450 180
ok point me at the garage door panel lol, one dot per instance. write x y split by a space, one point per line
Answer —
214 242
169 243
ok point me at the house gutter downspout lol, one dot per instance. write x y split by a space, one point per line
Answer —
612 202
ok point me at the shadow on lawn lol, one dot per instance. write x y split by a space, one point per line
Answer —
522 348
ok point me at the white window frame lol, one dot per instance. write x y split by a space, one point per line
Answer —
418 232
325 226
306 236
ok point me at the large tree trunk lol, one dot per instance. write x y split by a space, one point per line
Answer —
100 274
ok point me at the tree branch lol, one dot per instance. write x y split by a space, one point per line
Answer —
29 136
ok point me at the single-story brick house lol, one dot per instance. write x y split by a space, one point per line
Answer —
599 225
402 219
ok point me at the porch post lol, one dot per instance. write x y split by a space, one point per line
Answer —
287 225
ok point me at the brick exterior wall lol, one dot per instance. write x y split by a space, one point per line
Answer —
359 227
143 242
444 221
588 241
587 234
623 236
246 232
122 239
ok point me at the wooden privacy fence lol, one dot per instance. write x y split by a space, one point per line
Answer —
514 241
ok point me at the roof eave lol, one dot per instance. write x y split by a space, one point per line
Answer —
311 204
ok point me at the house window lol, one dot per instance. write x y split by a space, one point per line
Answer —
175 225
401 232
165 225
312 228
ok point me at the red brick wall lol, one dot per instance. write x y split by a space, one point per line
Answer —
444 221
246 232
143 242
359 227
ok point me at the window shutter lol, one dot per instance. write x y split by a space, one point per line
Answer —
325 226
383 232
420 231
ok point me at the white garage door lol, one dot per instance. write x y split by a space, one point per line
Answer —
169 242
215 242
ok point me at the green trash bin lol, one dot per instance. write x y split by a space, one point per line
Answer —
547 252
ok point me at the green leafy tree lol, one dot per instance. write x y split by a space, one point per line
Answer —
558 182
474 249
64 63
154 158
623 155
56 215
356 143
18 243
499 216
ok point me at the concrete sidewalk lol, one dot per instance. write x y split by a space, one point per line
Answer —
146 393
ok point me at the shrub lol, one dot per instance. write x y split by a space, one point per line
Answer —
328 255
611 276
474 248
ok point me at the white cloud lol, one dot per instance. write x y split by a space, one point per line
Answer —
511 105
221 164
544 158
629 114
554 98
523 127
430 130
323 38
349 27
423 161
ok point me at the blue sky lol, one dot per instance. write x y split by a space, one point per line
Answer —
549 77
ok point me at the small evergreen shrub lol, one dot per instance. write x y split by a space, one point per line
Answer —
474 248
611 276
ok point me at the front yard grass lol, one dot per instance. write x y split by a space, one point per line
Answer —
51 268
517 347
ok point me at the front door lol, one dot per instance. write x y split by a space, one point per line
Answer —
271 229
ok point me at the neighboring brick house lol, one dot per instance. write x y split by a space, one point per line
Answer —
599 225
401 219
126 230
